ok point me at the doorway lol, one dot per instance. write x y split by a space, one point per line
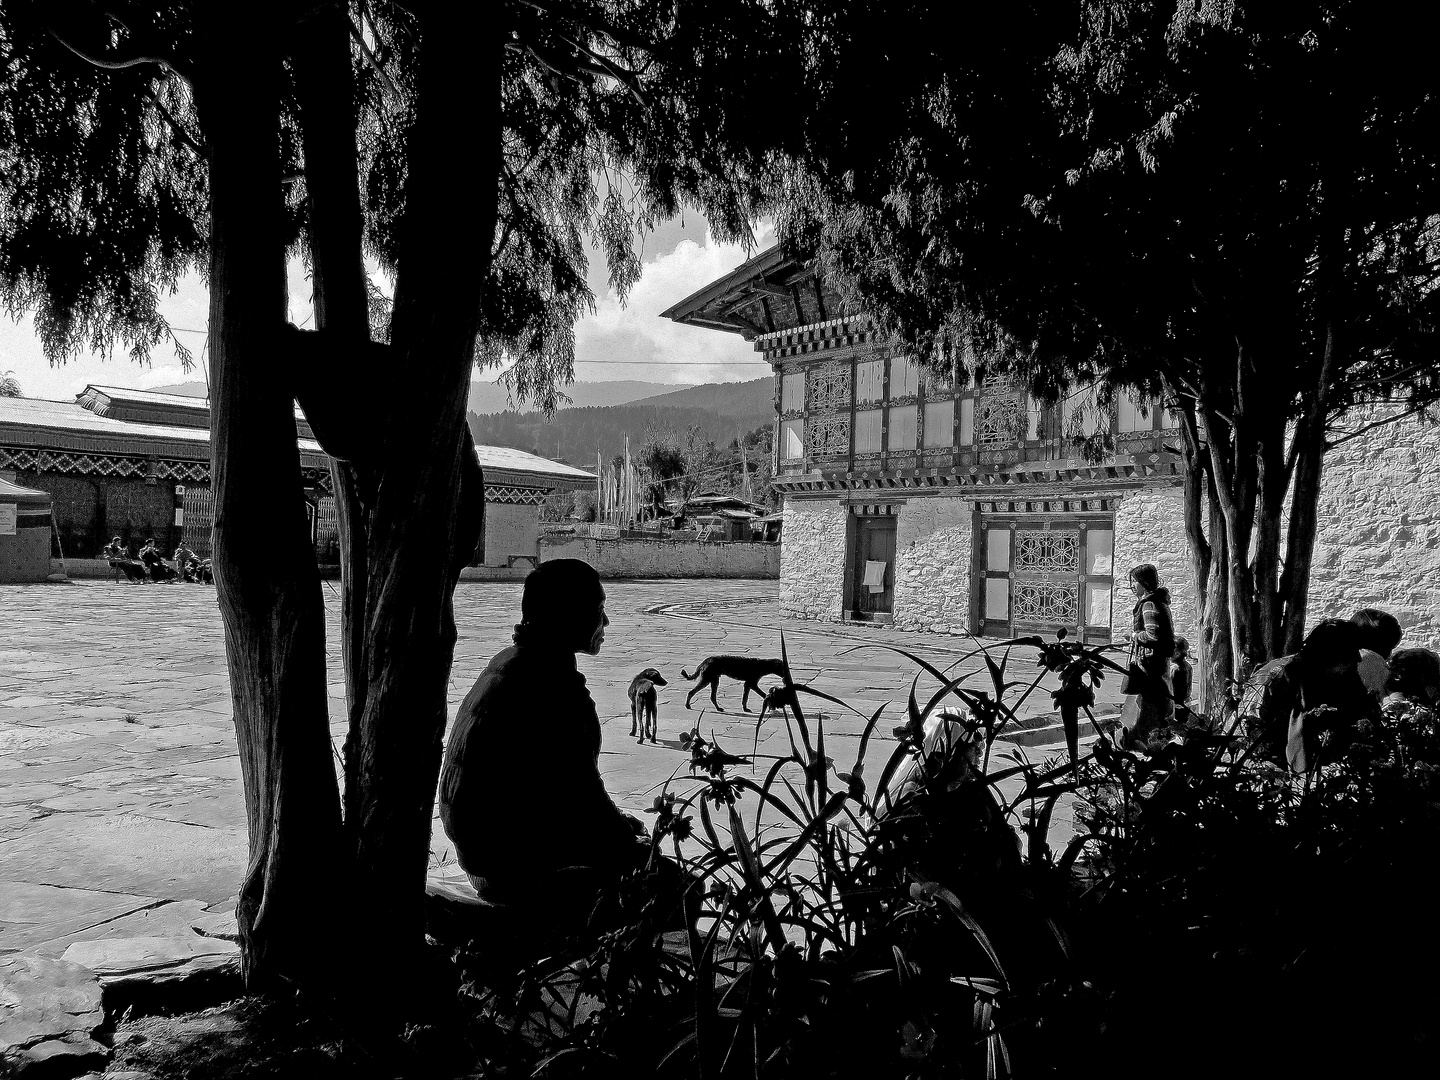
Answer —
873 570
1047 574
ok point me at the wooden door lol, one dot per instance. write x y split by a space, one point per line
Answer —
874 544
1047 574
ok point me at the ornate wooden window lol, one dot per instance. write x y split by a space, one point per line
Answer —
1045 602
828 434
1000 420
904 379
1047 552
792 392
827 387
867 431
870 381
902 427
940 423
792 444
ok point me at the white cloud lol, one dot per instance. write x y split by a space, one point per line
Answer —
634 339
657 349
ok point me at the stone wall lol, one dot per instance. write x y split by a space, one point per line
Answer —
812 559
666 558
1150 528
1378 541
933 544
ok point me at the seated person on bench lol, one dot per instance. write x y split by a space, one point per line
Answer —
520 794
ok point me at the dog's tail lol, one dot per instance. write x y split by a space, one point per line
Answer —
686 675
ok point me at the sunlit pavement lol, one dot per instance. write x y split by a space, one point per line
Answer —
119 780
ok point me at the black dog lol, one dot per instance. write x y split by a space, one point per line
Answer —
643 707
744 669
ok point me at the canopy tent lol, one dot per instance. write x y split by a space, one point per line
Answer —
24 533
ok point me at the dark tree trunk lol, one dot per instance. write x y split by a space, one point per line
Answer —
1209 564
265 573
325 88
1309 455
425 516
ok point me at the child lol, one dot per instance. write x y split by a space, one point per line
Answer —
1182 674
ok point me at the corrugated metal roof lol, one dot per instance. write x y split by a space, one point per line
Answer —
147 397
70 427
503 457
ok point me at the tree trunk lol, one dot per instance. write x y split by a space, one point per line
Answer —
428 501
265 573
325 89
1309 450
1209 564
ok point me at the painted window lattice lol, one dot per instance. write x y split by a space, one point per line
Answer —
1047 552
997 384
515 496
1046 602
828 435
1000 420
827 387
103 465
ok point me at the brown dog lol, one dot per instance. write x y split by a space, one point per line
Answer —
744 669
644 707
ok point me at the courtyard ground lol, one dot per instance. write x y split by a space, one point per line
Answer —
119 781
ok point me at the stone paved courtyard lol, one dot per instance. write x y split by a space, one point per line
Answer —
119 780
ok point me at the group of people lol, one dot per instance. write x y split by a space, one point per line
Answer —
1294 710
150 564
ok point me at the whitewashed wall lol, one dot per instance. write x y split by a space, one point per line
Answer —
812 559
933 544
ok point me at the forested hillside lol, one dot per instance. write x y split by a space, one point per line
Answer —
741 399
574 435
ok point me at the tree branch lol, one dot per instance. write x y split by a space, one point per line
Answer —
1411 410
175 125
120 63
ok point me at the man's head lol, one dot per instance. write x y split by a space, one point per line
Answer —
563 605
1332 648
1379 630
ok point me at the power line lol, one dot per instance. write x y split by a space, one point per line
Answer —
632 363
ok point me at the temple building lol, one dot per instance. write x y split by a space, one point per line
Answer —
136 464
946 504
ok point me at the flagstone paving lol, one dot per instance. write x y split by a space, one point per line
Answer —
120 786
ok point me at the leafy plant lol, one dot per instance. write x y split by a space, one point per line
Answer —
922 924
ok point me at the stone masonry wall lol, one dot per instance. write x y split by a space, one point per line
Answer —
1378 542
932 565
665 558
812 559
1150 528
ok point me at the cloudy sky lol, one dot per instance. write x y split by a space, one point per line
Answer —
616 342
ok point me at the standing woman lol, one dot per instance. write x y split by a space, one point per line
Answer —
1148 701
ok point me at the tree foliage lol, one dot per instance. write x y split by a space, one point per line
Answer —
467 151
1234 208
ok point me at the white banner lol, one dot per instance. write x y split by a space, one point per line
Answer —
8 514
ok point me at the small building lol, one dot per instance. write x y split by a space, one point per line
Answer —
949 504
516 487
136 464
725 524
24 533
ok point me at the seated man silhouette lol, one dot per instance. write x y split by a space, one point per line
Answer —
520 793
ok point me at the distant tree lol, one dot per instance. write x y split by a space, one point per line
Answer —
9 385
1234 208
